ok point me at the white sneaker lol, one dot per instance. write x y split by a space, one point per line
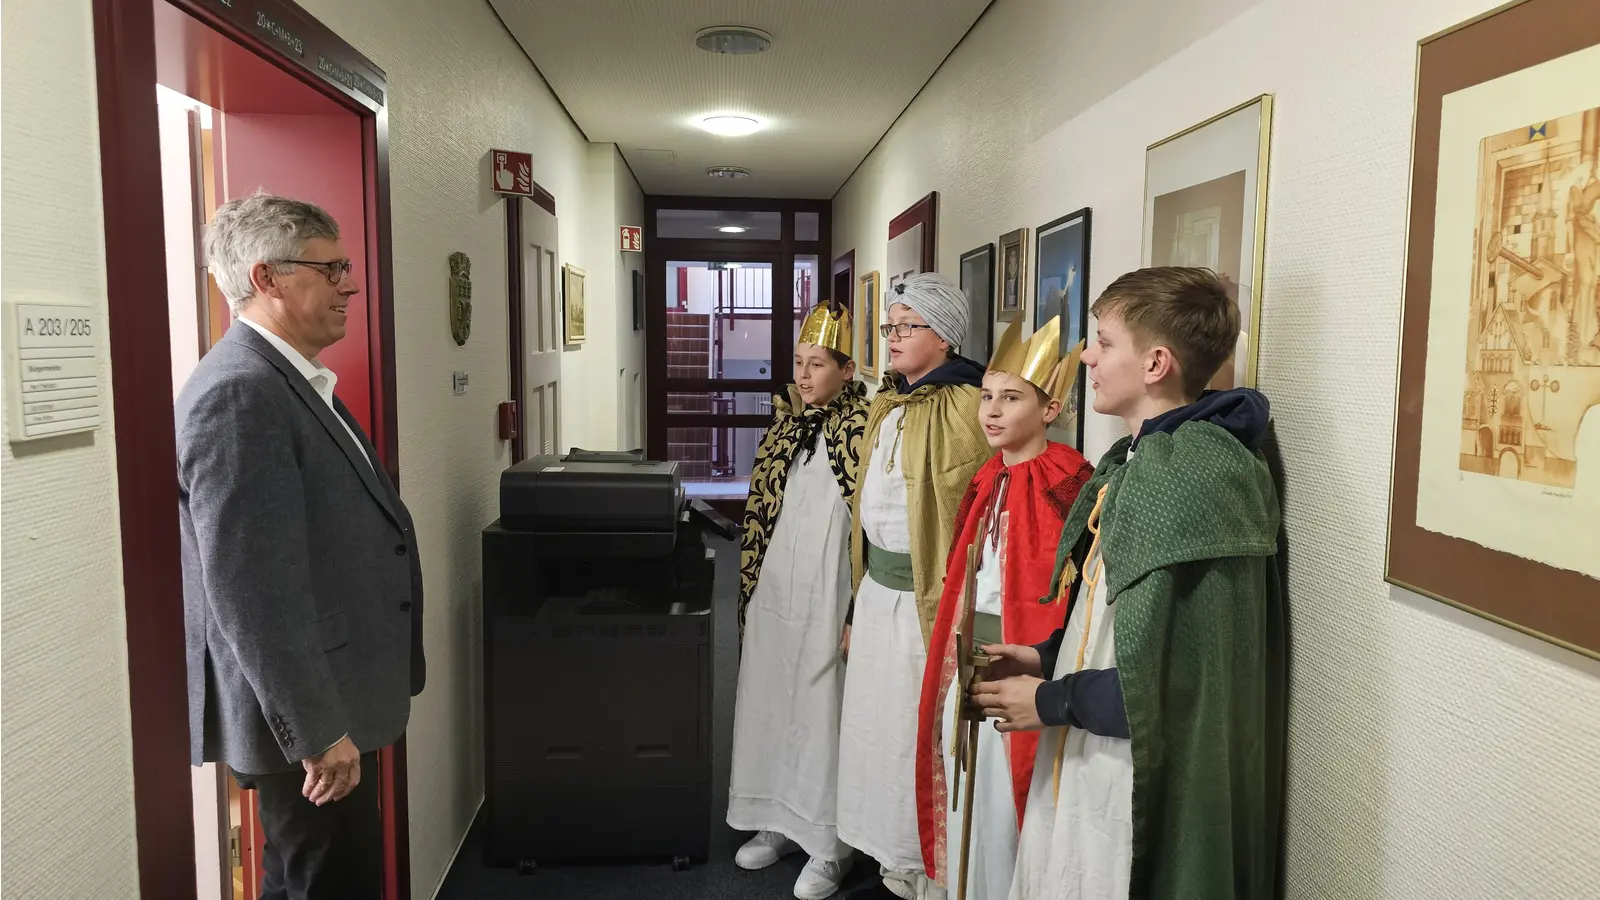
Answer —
763 850
821 879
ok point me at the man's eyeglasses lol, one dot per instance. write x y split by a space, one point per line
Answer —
900 329
334 271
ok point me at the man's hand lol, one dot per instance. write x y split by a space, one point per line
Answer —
1011 701
331 776
844 644
1010 660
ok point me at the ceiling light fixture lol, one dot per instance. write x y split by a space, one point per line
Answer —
730 126
728 172
735 40
733 229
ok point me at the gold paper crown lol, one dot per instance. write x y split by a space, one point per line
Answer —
1038 359
827 328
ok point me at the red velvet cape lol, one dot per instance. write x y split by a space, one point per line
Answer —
1038 494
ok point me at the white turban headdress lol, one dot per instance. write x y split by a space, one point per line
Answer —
939 302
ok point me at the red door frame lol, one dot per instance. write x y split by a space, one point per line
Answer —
125 55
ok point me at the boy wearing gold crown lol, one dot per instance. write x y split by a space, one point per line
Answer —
924 444
1161 772
794 591
972 782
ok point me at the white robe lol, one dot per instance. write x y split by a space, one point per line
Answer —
1080 847
994 806
786 717
883 683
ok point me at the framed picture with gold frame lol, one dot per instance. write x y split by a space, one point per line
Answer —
1499 367
1011 273
1205 204
866 317
573 305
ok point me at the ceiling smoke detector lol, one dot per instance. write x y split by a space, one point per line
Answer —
728 172
735 40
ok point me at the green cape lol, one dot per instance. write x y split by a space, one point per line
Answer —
1190 533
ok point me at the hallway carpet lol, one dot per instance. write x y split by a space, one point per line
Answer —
718 878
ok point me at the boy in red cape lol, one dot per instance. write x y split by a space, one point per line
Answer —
999 565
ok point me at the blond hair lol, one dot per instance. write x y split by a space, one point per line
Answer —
1185 309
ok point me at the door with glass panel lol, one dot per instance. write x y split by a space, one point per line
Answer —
728 290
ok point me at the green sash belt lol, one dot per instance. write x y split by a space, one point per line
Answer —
892 570
986 629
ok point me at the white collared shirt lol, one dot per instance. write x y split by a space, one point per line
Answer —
321 377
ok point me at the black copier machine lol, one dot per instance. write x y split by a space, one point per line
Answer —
597 663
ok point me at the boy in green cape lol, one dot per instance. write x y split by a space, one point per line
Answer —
1160 774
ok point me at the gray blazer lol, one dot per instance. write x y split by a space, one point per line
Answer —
302 591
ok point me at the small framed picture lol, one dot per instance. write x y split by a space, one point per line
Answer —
1012 289
1061 288
866 316
573 305
977 282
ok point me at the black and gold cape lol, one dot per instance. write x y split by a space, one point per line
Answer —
795 430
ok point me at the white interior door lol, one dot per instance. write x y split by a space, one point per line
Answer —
541 340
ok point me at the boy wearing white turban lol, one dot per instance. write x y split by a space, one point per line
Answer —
925 444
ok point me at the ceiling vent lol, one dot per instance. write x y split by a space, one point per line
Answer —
734 40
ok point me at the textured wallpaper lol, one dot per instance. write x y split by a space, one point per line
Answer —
1434 755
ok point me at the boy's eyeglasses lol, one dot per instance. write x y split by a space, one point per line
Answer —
900 329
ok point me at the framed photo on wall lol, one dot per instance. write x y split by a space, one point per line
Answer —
977 282
1492 504
913 244
573 307
1012 292
1061 288
1205 204
866 317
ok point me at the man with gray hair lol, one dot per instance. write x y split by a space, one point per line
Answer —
302 589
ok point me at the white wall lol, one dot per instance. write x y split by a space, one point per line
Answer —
458 86
593 373
629 206
68 811
1433 754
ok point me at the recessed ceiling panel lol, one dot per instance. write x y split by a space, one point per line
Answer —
838 74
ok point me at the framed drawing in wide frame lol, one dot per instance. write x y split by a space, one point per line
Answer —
573 306
1205 204
977 282
1061 288
866 317
1012 288
1495 493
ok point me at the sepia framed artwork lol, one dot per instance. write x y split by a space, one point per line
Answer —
866 317
1012 288
573 306
1492 504
1061 288
1205 204
977 282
